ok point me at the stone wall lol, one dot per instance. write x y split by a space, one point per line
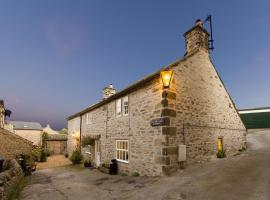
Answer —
73 130
10 178
144 140
12 145
204 109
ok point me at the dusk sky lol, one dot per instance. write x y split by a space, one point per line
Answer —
57 56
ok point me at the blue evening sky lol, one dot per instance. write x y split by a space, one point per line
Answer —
56 56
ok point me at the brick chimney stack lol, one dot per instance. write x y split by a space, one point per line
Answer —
108 91
196 38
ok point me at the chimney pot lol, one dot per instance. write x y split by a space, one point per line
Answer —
198 22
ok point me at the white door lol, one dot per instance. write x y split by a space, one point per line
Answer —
97 154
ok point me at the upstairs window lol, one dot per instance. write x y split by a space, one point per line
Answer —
118 107
122 150
89 118
125 105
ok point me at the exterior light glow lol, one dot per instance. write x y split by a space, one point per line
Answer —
220 144
166 78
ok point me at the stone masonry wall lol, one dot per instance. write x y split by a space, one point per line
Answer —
12 145
10 178
144 140
204 110
73 128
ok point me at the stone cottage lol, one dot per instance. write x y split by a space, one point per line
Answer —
151 129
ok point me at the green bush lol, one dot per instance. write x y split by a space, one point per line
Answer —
221 154
76 157
135 174
36 152
43 155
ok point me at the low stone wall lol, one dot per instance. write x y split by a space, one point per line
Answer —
12 145
10 178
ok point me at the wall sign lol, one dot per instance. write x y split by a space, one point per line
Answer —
158 122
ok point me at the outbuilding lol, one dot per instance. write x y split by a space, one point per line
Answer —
256 118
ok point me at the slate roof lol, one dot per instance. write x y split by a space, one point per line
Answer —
18 125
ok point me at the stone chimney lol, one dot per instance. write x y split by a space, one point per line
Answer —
108 91
196 38
2 114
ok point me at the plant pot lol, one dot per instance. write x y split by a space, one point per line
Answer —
86 165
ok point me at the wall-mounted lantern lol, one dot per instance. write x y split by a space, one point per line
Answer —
166 77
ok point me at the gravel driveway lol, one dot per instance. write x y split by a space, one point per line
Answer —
246 176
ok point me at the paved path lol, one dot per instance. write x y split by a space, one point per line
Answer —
54 161
246 176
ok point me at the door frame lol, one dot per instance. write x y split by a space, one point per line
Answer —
97 153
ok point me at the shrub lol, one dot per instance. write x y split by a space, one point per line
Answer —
43 155
76 157
36 152
221 154
135 174
87 140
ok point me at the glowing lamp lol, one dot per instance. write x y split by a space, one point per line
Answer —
166 78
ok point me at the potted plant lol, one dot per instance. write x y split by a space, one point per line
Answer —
76 157
87 163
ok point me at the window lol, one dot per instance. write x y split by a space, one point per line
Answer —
220 144
122 150
89 118
125 105
118 108
121 106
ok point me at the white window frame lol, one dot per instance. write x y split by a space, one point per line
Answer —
118 108
89 118
125 99
122 150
